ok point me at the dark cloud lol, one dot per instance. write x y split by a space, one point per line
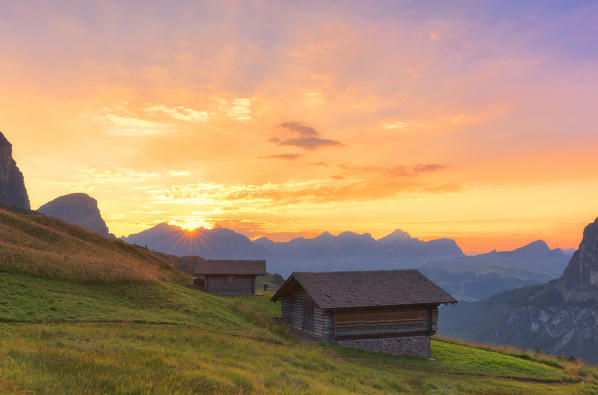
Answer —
308 143
282 156
305 131
303 136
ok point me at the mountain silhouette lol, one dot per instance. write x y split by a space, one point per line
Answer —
346 251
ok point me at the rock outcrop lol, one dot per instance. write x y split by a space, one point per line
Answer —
580 279
77 209
12 184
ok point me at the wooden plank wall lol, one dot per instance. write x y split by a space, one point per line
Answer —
292 313
292 309
385 322
231 285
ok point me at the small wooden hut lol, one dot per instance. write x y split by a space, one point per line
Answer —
228 277
393 311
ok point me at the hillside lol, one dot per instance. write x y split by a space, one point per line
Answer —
559 317
46 247
117 319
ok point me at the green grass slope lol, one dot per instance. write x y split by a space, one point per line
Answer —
117 319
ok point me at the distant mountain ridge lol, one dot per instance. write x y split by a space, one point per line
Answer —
346 251
77 209
558 317
476 277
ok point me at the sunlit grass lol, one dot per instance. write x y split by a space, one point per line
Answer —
49 248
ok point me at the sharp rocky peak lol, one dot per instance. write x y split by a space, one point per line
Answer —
581 274
12 184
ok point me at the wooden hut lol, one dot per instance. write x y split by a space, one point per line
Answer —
228 277
393 311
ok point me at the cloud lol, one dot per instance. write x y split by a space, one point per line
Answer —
181 113
302 130
129 125
282 156
308 143
401 125
181 173
96 175
428 167
241 109
264 196
303 136
394 171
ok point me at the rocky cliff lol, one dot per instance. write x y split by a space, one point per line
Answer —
12 184
580 279
560 317
78 209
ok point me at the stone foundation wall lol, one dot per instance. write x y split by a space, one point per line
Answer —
414 346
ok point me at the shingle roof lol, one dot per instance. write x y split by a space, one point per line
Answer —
230 267
333 290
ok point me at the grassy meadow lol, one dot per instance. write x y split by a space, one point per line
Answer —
116 319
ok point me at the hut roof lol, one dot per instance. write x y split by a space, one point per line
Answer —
228 267
334 290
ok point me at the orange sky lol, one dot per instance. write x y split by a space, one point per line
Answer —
283 120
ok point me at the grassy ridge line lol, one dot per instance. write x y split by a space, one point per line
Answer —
46 247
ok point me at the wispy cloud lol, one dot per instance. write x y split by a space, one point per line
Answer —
282 156
393 171
108 176
401 125
241 109
294 192
180 173
302 136
180 113
428 167
126 124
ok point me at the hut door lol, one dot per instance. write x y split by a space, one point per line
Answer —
308 315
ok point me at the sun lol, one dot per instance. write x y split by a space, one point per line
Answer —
191 223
